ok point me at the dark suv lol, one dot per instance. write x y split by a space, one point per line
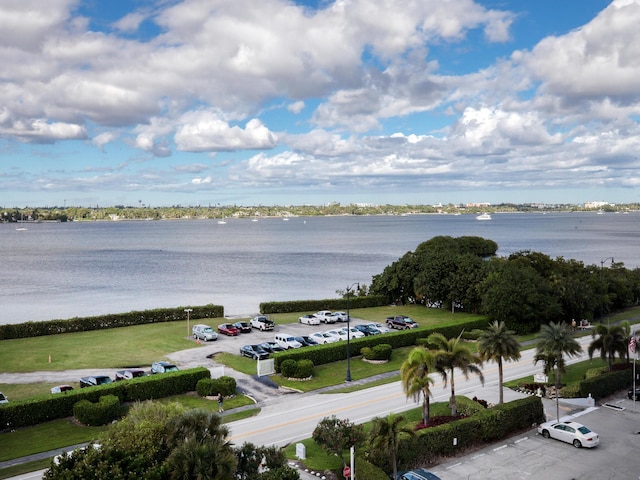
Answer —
94 381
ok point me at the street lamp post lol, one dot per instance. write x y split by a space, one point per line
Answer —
188 310
602 262
349 289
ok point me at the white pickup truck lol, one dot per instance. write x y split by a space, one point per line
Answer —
325 316
262 322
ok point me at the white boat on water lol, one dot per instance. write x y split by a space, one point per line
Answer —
484 216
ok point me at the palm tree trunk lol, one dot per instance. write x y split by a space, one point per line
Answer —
500 375
454 407
557 393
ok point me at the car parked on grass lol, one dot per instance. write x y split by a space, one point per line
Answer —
228 329
94 381
163 367
61 389
418 474
367 330
571 432
254 351
3 398
309 319
306 341
401 322
325 316
204 333
262 323
129 374
244 327
323 337
271 347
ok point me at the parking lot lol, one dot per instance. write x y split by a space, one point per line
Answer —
531 456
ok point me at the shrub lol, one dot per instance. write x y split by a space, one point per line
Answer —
381 351
106 410
209 387
304 369
288 368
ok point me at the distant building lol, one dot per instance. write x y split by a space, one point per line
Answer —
475 205
595 204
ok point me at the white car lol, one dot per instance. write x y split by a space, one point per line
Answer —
571 432
339 316
355 333
323 337
325 316
379 326
309 320
341 334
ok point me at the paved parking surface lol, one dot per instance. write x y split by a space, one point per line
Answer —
530 456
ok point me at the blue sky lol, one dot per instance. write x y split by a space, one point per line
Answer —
206 102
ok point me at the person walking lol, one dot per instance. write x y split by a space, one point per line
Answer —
220 400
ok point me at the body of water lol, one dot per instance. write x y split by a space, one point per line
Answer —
76 269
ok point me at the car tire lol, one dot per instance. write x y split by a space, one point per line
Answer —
545 433
577 444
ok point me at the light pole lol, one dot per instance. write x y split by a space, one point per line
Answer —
188 310
349 289
602 262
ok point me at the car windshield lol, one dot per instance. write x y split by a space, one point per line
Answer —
207 330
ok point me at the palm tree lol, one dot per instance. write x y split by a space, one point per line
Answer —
415 378
386 434
452 354
498 343
611 340
554 341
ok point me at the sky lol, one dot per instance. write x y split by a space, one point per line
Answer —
274 102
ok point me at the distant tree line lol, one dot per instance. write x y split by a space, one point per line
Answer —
525 290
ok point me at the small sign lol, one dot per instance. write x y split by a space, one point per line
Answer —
346 471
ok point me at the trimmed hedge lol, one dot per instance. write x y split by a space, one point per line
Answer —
488 425
606 384
94 414
116 320
327 304
334 352
209 387
42 409
382 351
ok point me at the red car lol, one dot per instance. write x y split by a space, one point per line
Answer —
228 329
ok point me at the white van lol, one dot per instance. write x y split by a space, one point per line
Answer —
287 341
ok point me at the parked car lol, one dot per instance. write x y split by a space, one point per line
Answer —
286 341
3 398
94 381
228 329
401 322
367 330
325 316
306 341
571 432
340 334
379 327
244 327
204 333
271 347
353 332
309 319
340 316
163 367
630 394
418 474
130 373
61 389
262 323
254 351
323 337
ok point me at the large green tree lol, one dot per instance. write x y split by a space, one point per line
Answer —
498 343
416 381
336 435
610 341
554 342
451 354
385 436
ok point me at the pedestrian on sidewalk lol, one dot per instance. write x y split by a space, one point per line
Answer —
220 400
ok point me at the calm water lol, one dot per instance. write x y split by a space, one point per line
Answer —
63 270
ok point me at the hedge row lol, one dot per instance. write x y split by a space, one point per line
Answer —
488 425
334 352
606 384
115 320
42 409
327 304
211 387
